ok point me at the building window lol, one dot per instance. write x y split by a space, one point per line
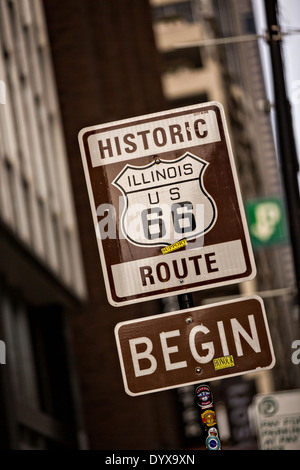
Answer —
39 405
249 24
187 100
177 11
187 58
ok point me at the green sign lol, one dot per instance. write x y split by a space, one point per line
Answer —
267 221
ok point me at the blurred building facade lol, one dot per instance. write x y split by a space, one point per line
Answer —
260 178
232 73
41 275
190 74
61 386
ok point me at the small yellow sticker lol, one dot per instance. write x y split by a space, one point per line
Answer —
223 362
175 246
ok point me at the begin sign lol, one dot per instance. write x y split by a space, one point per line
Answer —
194 345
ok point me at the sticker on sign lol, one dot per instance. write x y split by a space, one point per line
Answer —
194 345
154 181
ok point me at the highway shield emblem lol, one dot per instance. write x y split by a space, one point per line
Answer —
165 201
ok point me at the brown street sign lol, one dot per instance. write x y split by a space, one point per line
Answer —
166 204
195 345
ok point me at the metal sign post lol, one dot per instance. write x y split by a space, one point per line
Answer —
288 158
194 346
204 397
169 219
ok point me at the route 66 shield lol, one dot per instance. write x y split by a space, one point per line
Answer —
165 201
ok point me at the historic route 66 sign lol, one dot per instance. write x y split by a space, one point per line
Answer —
166 181
165 201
